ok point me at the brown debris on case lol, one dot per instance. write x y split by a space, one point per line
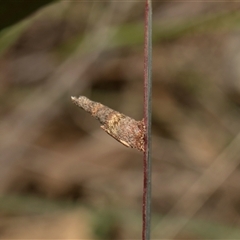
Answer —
124 129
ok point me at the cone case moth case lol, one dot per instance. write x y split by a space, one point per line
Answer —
124 129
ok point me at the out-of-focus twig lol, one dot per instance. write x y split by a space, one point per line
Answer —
211 179
38 108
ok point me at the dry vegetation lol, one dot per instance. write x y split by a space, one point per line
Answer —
62 177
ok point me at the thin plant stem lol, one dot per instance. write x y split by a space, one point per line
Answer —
146 208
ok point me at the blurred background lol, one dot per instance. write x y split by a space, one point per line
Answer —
61 176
